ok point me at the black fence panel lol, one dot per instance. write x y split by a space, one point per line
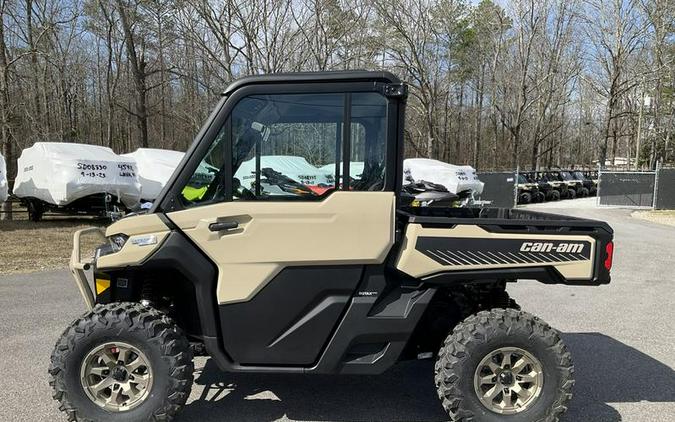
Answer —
665 191
627 189
498 190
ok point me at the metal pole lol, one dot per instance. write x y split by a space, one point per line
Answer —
597 194
656 185
639 128
515 187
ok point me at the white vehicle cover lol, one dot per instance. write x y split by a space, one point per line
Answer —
297 168
3 180
155 167
355 169
455 178
60 173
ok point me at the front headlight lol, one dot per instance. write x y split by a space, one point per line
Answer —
117 242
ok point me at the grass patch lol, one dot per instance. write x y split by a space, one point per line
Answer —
27 246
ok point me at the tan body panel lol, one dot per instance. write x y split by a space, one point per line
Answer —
132 254
416 264
344 228
136 227
138 224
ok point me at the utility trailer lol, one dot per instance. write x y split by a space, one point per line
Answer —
348 281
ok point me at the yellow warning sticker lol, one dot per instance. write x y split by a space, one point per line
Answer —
101 285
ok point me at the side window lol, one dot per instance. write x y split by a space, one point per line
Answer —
206 184
367 161
291 147
285 146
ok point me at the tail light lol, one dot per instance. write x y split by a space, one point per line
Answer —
609 249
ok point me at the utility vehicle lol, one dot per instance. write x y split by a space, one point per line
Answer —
349 281
528 191
550 194
568 190
590 184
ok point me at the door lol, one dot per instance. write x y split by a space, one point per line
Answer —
288 222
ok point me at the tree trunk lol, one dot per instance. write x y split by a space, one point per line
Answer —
138 74
5 130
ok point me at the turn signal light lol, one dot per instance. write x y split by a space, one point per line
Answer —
609 248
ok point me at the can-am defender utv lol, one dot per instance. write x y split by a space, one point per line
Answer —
343 282
528 192
545 188
590 185
557 182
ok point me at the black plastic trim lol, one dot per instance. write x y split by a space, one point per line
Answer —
544 274
290 320
312 77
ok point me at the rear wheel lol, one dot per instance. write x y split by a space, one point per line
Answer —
122 362
571 194
585 192
501 364
525 198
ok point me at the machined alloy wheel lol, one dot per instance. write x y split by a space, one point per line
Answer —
504 364
121 362
116 376
508 380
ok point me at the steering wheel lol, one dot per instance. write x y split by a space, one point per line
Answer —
216 187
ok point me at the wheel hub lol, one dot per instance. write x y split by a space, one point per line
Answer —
119 374
508 380
116 376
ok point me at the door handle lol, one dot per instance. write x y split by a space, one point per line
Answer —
223 225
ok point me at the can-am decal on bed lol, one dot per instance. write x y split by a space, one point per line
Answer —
561 247
468 251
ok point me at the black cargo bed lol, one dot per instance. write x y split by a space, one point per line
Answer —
505 220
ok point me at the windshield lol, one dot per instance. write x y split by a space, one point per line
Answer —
566 175
579 175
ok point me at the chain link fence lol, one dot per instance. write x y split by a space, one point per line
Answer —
627 189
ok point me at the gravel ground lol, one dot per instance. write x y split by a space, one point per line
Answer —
621 337
661 217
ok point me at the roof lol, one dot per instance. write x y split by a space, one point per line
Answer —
309 77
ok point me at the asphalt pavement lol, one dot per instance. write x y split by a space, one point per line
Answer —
621 336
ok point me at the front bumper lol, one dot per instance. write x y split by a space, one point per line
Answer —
78 266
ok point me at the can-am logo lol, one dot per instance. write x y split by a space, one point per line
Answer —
550 247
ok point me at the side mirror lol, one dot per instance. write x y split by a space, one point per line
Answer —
263 129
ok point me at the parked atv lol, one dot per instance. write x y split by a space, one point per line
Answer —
528 192
348 281
545 188
590 186
567 189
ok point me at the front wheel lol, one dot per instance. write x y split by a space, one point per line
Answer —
504 363
35 210
121 362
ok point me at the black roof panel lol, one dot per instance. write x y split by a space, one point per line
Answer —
313 77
